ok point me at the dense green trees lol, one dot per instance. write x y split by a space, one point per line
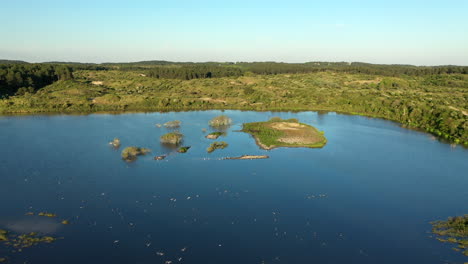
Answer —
189 72
22 78
355 67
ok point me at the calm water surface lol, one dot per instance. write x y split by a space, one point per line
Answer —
366 197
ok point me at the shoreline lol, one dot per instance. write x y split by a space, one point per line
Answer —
188 109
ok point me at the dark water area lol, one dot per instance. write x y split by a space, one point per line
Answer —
366 197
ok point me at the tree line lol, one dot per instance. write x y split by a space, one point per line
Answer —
194 72
18 79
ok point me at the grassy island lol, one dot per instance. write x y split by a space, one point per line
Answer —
215 135
217 145
131 153
172 138
453 230
279 132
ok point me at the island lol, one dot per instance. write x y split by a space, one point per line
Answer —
278 132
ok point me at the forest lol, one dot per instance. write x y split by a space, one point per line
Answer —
433 99
21 78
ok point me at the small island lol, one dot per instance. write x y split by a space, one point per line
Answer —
279 132
248 157
215 135
131 153
173 138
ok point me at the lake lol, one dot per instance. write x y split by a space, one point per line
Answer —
366 197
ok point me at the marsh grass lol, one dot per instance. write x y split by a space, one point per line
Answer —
453 230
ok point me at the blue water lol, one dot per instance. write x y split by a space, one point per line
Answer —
376 187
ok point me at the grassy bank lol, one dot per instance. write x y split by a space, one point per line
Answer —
434 103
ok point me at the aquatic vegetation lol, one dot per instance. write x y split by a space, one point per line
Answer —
243 157
65 222
131 153
3 235
3 260
453 230
160 157
217 145
284 133
115 143
29 240
172 124
215 135
46 214
221 120
172 138
183 149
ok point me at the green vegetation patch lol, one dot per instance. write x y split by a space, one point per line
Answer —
279 132
131 153
217 145
453 230
3 235
172 138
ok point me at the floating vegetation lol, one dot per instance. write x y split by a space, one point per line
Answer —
131 153
183 149
46 214
172 138
65 222
221 120
3 260
215 135
172 124
454 230
243 157
284 133
217 145
3 235
160 157
115 143
28 240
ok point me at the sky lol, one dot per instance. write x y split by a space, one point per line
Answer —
388 32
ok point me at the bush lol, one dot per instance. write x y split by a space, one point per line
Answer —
220 121
172 138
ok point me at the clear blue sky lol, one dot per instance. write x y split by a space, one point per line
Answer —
410 32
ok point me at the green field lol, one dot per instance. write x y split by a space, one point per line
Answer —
436 103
